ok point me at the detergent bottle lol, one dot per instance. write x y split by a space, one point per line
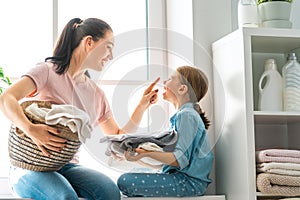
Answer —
291 83
270 88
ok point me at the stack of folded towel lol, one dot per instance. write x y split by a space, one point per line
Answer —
278 172
163 141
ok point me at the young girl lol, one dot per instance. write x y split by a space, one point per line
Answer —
186 170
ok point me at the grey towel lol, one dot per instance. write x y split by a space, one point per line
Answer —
166 140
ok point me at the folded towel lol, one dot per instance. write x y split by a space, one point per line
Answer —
166 140
35 110
66 115
279 168
278 155
150 146
278 184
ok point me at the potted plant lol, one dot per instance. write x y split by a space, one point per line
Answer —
4 81
275 13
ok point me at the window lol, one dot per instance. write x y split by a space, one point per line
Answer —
30 27
25 38
122 78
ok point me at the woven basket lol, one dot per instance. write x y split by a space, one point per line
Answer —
24 153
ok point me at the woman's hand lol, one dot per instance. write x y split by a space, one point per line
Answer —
150 95
45 138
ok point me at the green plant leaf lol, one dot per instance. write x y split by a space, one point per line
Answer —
4 79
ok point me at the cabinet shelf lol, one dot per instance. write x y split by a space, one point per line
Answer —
263 117
238 63
268 196
263 44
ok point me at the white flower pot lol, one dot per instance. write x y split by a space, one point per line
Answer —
275 10
277 24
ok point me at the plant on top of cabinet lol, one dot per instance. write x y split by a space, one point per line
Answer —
275 13
263 1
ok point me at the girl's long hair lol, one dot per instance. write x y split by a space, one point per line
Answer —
197 83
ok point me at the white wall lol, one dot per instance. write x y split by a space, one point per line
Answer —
212 20
190 24
295 15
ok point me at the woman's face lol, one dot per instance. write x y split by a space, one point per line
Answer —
172 86
100 53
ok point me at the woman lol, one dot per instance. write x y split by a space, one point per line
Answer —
61 79
185 171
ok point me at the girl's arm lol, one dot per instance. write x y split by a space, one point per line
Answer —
39 133
149 97
167 158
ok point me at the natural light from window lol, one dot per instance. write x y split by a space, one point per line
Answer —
26 37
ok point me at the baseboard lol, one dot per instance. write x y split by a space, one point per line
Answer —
206 197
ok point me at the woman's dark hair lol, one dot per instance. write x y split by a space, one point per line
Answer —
197 83
70 38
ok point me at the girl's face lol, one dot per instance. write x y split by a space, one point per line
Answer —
100 53
172 87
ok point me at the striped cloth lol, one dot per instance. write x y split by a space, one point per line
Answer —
25 154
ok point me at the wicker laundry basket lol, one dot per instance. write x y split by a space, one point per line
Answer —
24 153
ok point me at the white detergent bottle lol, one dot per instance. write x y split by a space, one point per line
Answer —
270 88
291 83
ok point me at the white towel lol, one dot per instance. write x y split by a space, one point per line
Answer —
279 168
150 146
66 115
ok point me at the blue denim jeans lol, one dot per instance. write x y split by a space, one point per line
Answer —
70 182
160 185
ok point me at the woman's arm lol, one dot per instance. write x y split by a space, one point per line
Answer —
9 101
149 97
39 133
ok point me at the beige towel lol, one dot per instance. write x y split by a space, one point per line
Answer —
278 184
66 115
71 116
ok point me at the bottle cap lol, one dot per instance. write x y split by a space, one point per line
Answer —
270 64
292 56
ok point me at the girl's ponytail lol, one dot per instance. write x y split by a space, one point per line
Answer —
202 115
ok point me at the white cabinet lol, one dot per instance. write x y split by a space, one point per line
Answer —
238 60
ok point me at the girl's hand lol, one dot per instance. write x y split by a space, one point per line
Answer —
150 95
133 157
44 137
141 150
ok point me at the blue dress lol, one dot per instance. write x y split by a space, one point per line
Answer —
193 154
